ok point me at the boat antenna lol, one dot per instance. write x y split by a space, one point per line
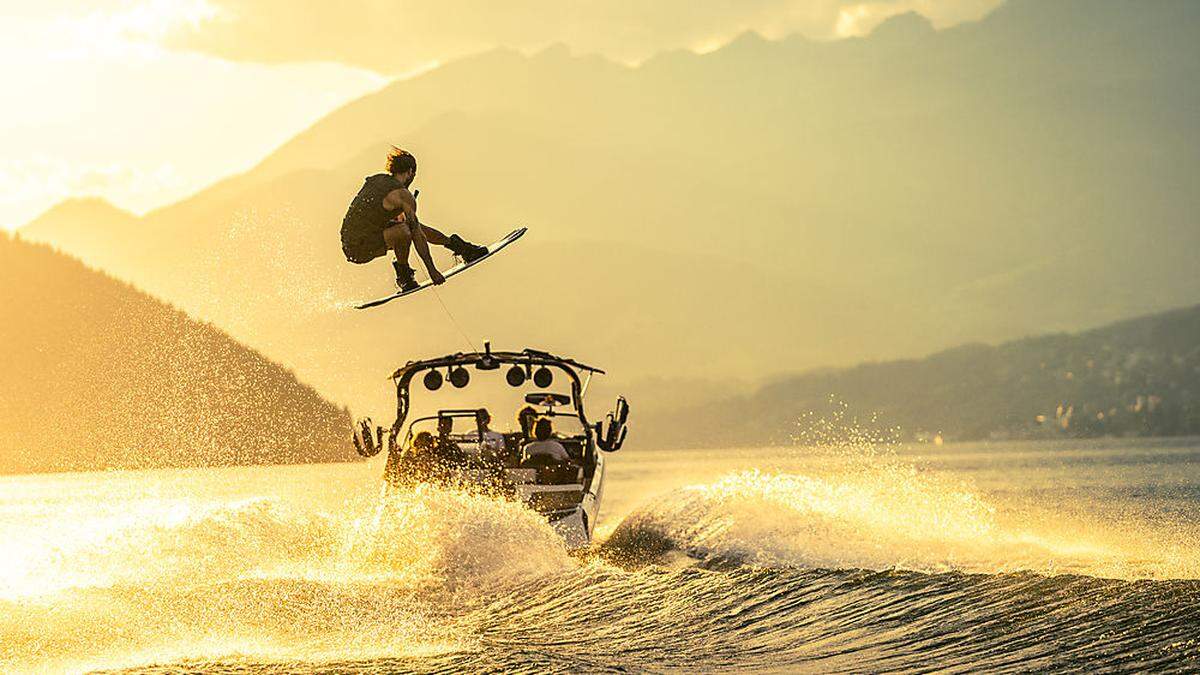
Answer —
586 382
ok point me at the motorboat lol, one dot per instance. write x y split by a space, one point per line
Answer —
559 474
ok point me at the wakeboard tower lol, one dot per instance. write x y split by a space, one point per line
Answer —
492 249
566 493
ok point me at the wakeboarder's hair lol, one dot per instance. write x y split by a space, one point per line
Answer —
400 161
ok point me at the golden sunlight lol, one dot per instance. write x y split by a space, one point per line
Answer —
681 336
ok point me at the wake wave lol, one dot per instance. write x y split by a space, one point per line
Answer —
254 577
864 568
886 516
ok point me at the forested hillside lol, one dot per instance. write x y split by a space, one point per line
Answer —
1138 377
95 374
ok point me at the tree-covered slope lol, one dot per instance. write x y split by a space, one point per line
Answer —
95 374
1136 377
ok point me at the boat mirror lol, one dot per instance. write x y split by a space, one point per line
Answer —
433 380
611 436
622 412
515 376
459 377
364 443
543 377
547 398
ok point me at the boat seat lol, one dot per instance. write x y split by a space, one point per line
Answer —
512 448
559 474
574 448
521 476
552 497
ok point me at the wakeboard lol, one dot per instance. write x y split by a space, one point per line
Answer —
493 249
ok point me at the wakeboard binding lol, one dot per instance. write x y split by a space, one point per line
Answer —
406 277
466 250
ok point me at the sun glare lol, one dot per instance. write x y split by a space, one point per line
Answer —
709 45
859 20
134 30
156 16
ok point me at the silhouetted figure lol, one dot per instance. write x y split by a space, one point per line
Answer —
544 450
430 459
526 416
417 464
491 443
445 448
383 217
493 453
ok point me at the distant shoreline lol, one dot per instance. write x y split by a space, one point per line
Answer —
179 467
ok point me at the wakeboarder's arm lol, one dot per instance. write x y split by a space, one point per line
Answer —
401 198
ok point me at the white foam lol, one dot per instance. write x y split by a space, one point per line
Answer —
881 516
261 578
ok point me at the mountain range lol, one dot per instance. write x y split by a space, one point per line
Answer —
95 374
771 205
1136 377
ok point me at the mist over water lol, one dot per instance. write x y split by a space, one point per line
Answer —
822 558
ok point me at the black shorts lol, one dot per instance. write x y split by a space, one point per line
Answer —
362 245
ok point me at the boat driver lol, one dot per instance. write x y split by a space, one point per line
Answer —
525 419
445 448
418 464
491 443
431 459
544 450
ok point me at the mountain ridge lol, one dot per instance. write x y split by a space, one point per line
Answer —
97 375
990 183
1136 377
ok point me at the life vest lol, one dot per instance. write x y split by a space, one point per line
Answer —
366 214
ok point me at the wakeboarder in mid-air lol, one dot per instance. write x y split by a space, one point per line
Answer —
383 217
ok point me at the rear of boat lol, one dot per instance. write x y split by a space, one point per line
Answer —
571 504
567 494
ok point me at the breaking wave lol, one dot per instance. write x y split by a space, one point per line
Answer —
888 520
255 578
876 568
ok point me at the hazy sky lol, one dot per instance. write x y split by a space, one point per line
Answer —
145 101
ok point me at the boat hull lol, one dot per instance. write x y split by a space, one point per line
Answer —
577 525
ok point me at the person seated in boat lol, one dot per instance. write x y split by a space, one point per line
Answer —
526 416
431 459
493 454
418 464
446 450
491 443
544 450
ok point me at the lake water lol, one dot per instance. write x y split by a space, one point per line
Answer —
1076 555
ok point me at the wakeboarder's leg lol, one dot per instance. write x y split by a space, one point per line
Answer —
435 237
399 239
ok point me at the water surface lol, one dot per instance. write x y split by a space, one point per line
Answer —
1005 556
